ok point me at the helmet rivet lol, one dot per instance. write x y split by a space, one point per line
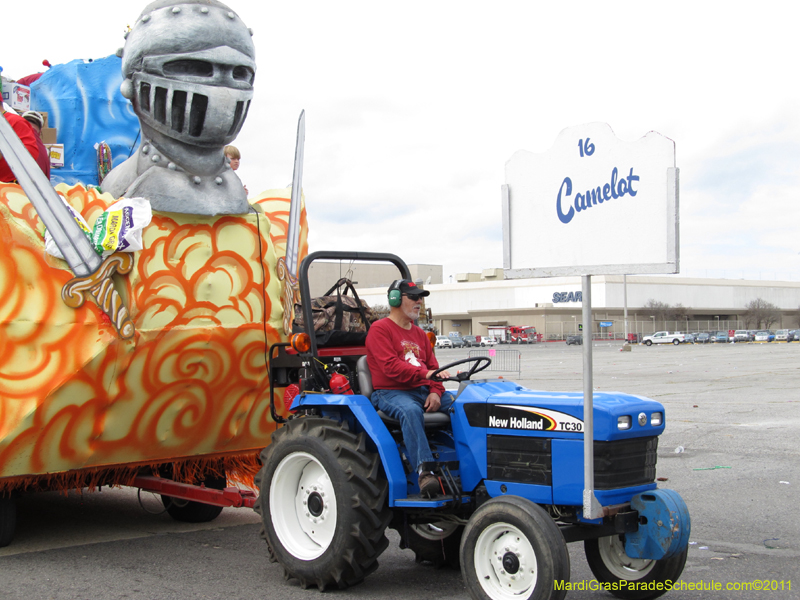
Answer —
145 18
196 180
126 88
172 166
145 149
218 181
176 10
155 158
204 10
231 15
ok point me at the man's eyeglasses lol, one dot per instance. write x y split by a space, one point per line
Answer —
413 297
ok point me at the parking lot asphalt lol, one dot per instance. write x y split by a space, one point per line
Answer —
730 448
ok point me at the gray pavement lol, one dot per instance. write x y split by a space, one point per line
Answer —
733 409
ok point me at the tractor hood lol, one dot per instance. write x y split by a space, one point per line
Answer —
508 408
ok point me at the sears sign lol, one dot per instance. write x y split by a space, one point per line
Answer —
559 297
586 199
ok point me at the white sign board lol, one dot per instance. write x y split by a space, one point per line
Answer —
592 205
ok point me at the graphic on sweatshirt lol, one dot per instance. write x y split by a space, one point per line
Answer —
411 352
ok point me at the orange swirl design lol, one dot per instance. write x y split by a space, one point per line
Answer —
205 300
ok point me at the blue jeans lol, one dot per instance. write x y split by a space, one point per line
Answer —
408 407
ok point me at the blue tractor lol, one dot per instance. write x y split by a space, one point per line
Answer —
511 466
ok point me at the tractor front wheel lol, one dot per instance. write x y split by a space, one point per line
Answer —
512 549
609 563
322 503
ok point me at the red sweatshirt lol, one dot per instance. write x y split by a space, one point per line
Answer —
400 358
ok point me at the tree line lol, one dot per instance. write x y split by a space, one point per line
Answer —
759 313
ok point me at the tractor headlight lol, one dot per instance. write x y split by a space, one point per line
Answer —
656 419
624 422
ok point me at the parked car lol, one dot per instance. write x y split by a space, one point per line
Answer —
764 336
794 335
487 340
782 335
741 335
664 337
470 341
575 339
457 341
703 338
721 337
688 338
442 341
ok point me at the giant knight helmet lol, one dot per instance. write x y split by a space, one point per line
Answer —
188 68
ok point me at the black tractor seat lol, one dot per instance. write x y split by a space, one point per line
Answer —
434 420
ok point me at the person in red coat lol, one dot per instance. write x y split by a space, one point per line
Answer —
401 362
25 133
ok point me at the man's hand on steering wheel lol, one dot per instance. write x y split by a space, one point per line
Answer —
441 374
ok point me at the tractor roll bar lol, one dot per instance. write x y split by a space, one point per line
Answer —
305 293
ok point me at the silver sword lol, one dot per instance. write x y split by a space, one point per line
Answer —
287 265
293 230
92 272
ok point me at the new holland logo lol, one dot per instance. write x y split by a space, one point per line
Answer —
542 423
521 418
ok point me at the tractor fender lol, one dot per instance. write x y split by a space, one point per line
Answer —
664 525
358 411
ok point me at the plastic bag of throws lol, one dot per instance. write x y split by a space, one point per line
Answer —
119 228
50 244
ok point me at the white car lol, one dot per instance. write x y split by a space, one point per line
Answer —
663 337
488 340
442 341
782 335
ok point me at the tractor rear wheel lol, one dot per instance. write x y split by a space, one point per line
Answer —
513 550
322 503
609 563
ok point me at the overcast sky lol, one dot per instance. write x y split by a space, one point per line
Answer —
413 108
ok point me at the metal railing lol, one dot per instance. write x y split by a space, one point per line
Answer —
505 361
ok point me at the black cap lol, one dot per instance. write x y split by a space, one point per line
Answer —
408 287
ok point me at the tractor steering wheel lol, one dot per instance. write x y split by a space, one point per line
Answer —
481 362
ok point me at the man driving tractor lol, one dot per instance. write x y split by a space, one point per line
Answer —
401 361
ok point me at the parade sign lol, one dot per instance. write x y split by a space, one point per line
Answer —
592 205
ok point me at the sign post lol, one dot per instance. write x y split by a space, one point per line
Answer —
580 197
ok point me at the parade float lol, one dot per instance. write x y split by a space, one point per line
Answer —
152 362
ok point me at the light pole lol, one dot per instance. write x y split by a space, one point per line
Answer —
717 317
654 322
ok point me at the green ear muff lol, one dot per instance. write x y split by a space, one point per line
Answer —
395 298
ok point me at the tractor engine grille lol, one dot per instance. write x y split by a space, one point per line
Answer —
625 463
617 464
519 459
